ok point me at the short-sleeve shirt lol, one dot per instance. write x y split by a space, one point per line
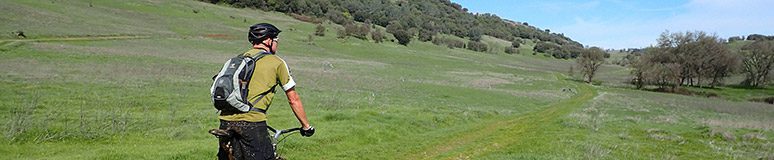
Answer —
270 71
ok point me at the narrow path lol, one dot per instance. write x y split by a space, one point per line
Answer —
514 131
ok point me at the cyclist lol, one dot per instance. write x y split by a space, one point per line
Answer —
251 140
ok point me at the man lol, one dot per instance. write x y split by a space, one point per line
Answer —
252 137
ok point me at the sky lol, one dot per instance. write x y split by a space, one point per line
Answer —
617 24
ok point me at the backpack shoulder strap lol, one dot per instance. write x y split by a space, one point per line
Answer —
256 54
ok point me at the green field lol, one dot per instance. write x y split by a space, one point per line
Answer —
130 80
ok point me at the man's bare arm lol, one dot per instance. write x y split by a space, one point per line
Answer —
297 107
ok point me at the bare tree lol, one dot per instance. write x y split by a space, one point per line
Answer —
758 60
722 67
640 65
657 67
589 62
712 59
702 57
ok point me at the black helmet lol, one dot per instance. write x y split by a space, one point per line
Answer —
261 31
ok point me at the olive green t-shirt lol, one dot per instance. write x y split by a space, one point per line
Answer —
269 71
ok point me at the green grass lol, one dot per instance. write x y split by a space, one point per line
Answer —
147 98
736 93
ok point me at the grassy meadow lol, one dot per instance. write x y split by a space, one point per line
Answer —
70 91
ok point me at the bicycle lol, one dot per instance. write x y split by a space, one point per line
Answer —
224 136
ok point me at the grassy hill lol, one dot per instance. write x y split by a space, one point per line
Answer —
129 80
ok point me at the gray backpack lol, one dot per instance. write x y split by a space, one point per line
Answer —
229 89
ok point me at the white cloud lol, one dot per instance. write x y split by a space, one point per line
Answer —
726 18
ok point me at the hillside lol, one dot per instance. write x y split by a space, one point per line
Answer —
130 80
424 18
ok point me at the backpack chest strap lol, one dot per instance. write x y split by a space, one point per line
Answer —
260 96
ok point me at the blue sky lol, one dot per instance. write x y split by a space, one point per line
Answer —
633 23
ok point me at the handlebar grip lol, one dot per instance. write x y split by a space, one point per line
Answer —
283 131
289 130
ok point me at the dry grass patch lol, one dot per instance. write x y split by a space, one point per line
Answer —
754 137
486 79
132 72
595 151
332 62
592 117
142 48
720 134
663 135
667 119
548 95
29 69
740 123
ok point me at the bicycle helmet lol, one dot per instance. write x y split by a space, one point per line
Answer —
261 31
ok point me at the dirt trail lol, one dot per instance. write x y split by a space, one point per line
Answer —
514 131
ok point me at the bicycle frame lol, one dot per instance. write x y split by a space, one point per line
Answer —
275 138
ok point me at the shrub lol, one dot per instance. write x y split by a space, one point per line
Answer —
543 47
341 34
399 32
477 46
377 36
511 50
449 42
319 30
769 100
403 37
516 43
425 35
337 17
357 31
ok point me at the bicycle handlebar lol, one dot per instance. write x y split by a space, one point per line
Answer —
277 133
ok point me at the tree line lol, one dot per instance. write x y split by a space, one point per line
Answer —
751 37
700 59
421 19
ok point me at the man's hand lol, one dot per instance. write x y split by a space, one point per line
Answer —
308 132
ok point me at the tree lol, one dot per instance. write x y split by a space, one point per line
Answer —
735 38
516 43
441 16
543 47
722 67
336 16
639 66
589 62
399 32
758 60
703 58
475 34
656 67
756 37
425 35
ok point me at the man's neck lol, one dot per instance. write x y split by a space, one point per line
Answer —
261 47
